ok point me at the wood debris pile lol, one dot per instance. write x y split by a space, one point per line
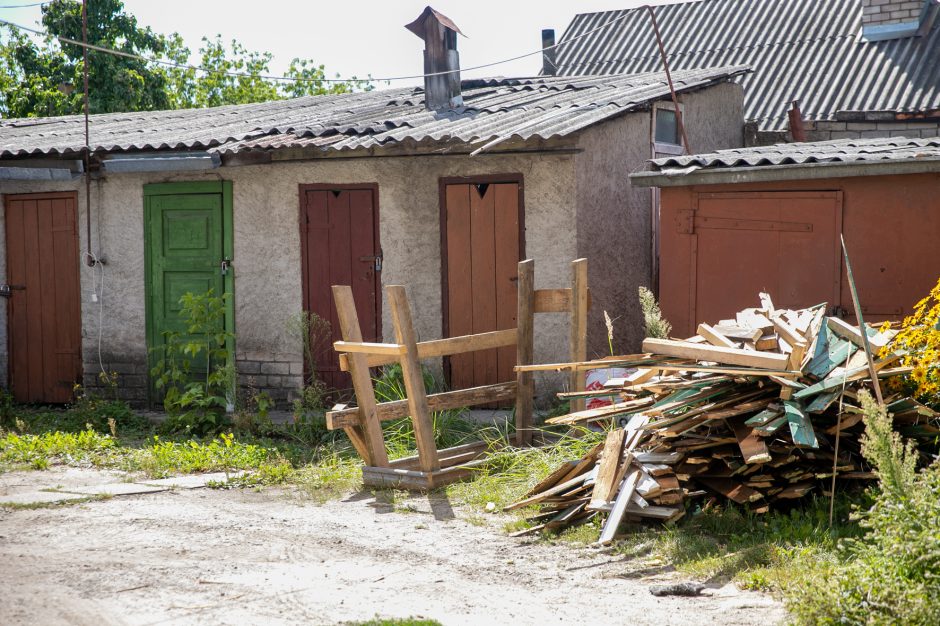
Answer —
760 410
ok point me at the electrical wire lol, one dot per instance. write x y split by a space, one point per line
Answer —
24 6
186 66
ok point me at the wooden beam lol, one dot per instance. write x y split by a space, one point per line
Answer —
362 383
397 409
525 350
362 347
728 356
578 330
555 300
611 458
414 381
444 347
852 333
715 338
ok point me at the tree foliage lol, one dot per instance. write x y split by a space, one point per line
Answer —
44 77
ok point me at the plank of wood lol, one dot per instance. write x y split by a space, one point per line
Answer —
590 415
446 347
363 347
560 488
525 350
621 503
555 300
728 356
715 338
752 445
578 328
733 371
362 383
854 334
753 318
396 409
801 428
765 302
741 333
611 459
588 461
413 379
630 360
731 489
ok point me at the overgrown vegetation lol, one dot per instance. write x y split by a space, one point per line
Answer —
889 575
655 324
194 371
315 335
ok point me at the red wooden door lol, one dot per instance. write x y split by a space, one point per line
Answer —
340 246
482 235
44 310
783 243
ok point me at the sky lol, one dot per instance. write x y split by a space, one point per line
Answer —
362 37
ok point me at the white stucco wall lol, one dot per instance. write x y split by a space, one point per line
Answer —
267 247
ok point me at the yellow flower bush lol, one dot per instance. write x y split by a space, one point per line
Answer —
920 338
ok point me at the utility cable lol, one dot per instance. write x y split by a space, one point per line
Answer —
186 66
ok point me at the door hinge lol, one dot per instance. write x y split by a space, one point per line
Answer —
6 291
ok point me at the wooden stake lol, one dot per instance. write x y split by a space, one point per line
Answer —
861 324
578 338
414 381
525 351
371 437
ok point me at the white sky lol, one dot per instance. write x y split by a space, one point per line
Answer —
360 37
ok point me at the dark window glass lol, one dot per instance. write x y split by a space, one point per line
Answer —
667 129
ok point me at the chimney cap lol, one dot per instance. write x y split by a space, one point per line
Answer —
418 26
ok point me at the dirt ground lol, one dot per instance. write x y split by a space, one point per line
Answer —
274 557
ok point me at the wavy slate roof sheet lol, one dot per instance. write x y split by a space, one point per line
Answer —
808 50
836 151
495 110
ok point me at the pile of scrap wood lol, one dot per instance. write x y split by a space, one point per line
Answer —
759 410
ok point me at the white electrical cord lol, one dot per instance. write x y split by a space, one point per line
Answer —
98 297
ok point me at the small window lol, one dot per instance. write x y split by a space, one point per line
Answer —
667 127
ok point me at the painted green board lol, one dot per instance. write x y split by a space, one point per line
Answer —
187 235
821 402
767 415
801 428
831 351
771 427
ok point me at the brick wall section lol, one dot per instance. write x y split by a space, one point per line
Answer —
824 131
881 12
280 375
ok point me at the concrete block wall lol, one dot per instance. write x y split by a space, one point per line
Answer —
279 374
882 12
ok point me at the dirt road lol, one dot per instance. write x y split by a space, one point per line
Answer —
246 557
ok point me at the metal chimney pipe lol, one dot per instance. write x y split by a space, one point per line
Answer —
549 56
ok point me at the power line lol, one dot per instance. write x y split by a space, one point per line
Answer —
186 66
24 6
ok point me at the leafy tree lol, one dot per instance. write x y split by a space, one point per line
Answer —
45 78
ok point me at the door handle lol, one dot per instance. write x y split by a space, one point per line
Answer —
226 264
6 291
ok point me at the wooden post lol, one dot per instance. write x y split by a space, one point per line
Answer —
525 351
414 382
368 439
578 338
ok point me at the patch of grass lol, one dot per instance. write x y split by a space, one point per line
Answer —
87 447
396 621
329 477
728 543
32 506
510 472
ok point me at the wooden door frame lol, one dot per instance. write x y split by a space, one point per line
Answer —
40 195
303 188
443 181
223 187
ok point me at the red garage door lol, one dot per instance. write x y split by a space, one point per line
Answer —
719 254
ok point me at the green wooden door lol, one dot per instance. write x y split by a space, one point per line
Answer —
188 236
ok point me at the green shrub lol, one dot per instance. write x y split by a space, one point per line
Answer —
891 575
195 401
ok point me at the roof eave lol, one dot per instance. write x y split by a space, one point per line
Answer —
765 173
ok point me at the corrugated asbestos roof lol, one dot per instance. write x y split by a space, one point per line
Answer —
495 110
808 50
835 151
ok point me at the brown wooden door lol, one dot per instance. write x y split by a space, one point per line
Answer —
43 308
340 235
482 247
783 243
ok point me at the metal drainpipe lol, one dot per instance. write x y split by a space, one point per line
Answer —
89 259
672 90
